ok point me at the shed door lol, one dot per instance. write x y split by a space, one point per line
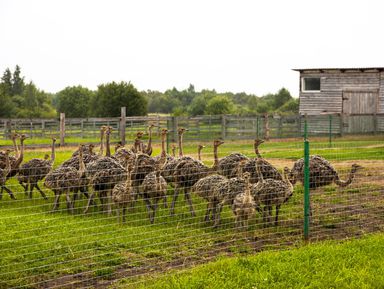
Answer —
360 102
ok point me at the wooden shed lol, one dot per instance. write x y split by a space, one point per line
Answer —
343 91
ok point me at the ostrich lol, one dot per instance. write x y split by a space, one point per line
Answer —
154 188
204 186
66 179
104 173
169 168
188 172
268 170
138 145
228 165
14 136
173 147
144 165
103 129
163 157
321 173
199 148
147 149
16 161
226 192
3 175
122 194
12 159
34 171
270 192
15 164
244 205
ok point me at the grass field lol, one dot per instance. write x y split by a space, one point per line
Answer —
43 250
350 264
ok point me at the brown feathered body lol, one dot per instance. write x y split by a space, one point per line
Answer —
321 173
243 205
154 188
270 192
227 166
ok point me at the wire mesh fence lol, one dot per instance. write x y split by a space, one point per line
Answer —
80 219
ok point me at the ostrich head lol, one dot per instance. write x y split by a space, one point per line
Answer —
164 131
23 137
258 141
181 130
217 142
90 148
355 168
139 134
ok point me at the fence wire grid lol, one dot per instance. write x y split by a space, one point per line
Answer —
80 219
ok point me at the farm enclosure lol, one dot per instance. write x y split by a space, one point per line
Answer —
40 249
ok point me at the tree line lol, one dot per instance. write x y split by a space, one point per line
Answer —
24 100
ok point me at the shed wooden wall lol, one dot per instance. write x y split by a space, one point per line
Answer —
333 83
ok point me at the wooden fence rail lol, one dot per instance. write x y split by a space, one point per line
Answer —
201 128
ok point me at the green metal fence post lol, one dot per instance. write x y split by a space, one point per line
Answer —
306 182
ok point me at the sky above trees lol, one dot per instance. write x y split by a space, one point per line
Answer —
238 46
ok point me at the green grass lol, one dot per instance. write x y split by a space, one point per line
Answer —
351 264
37 246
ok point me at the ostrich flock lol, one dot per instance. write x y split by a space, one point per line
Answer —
118 180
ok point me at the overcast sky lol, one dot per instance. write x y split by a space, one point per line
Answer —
235 46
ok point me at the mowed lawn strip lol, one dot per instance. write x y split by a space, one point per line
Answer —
351 264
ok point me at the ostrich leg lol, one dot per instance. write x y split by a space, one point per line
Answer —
36 185
175 195
9 192
69 202
56 202
188 198
277 215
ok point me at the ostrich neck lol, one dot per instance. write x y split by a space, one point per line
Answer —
174 152
101 144
128 181
286 180
215 159
7 168
15 147
257 151
21 156
199 154
149 139
81 163
342 183
108 149
163 152
181 145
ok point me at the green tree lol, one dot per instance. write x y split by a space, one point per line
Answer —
112 96
75 101
281 97
219 105
6 107
17 82
6 82
290 107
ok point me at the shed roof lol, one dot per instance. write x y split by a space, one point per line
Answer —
362 69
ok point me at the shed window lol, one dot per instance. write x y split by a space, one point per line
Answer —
311 84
